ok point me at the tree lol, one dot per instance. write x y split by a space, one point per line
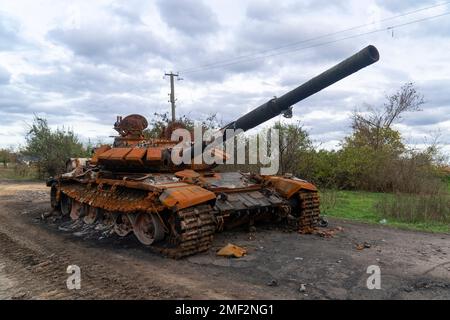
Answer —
374 128
6 156
296 150
161 125
52 148
374 157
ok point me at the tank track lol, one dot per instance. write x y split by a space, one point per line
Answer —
191 229
310 211
195 228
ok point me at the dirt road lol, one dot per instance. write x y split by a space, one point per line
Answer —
35 253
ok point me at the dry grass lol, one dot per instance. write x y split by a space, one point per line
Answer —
18 172
415 208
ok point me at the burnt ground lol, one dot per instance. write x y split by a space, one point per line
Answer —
35 252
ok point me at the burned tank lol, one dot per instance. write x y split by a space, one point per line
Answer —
134 186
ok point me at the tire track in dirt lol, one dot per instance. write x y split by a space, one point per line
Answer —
34 256
44 277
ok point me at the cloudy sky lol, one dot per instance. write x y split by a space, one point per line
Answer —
81 63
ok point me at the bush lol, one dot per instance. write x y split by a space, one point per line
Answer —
24 171
51 148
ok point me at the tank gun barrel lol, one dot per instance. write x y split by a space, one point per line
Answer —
283 104
276 106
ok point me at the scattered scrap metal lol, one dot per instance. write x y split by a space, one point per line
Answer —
231 250
322 232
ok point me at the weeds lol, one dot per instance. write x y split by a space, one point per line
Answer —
414 208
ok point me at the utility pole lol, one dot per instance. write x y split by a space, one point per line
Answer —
172 91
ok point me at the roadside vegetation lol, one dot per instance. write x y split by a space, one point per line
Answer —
407 211
45 153
18 172
373 176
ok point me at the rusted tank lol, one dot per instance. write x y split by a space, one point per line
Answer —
134 186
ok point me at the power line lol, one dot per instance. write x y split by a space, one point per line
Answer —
246 58
315 38
224 63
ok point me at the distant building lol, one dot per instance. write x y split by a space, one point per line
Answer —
28 160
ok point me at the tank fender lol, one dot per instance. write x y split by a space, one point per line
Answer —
98 152
185 196
287 187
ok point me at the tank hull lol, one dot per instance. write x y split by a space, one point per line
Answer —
178 214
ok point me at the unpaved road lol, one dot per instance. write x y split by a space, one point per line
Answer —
34 255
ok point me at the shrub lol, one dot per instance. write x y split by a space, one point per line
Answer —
52 148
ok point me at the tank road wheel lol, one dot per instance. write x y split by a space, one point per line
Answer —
66 204
123 225
75 211
107 217
91 215
148 228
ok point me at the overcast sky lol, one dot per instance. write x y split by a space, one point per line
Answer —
81 63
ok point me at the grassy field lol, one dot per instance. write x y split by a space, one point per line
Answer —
361 206
17 173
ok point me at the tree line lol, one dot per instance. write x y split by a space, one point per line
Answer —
373 157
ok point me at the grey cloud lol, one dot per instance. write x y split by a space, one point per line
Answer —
262 10
4 76
255 35
10 38
325 127
189 17
217 75
274 11
117 45
228 106
430 115
399 6
266 64
81 78
9 118
129 12
13 100
436 92
104 108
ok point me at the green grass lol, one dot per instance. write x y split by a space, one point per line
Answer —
360 206
23 174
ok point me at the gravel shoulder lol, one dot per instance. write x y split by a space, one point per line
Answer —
35 253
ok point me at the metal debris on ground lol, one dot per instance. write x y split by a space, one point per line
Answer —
323 222
231 250
272 283
324 233
362 246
